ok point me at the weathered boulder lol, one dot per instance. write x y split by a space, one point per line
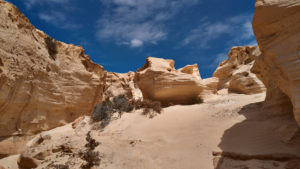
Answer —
276 25
234 74
160 81
39 89
27 162
121 84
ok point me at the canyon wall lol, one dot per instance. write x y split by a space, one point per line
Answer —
40 90
276 25
234 73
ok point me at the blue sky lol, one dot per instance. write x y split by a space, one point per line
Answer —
120 34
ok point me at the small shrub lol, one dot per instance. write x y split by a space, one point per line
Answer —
102 111
121 104
147 105
91 157
51 47
146 111
91 143
199 100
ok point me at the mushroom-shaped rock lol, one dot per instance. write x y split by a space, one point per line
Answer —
160 81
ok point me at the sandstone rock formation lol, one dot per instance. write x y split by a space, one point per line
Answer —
121 84
211 86
234 74
276 25
26 162
160 81
39 91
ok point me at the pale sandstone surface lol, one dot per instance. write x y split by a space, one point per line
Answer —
276 26
121 84
159 80
211 86
234 73
180 137
38 92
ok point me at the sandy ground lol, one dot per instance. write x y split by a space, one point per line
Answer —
182 137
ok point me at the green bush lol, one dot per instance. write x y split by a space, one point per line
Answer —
51 47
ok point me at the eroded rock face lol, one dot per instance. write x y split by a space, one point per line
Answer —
234 74
39 92
160 81
277 29
121 84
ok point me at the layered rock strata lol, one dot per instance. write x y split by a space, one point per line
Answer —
42 86
277 29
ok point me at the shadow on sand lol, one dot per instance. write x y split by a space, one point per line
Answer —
263 140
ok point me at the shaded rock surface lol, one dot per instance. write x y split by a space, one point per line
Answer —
234 73
276 26
39 91
160 81
25 162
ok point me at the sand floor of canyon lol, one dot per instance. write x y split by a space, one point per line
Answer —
182 137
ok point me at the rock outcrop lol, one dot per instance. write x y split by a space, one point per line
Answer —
121 84
234 74
26 162
41 89
160 81
276 25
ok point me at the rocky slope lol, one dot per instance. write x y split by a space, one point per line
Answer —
39 91
276 26
160 81
234 73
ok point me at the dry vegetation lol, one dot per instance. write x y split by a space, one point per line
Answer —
51 46
91 157
119 104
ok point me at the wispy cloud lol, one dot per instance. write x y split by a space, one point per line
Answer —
58 19
30 3
238 29
54 12
138 22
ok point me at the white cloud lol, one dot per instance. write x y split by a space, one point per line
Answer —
237 28
127 21
136 43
